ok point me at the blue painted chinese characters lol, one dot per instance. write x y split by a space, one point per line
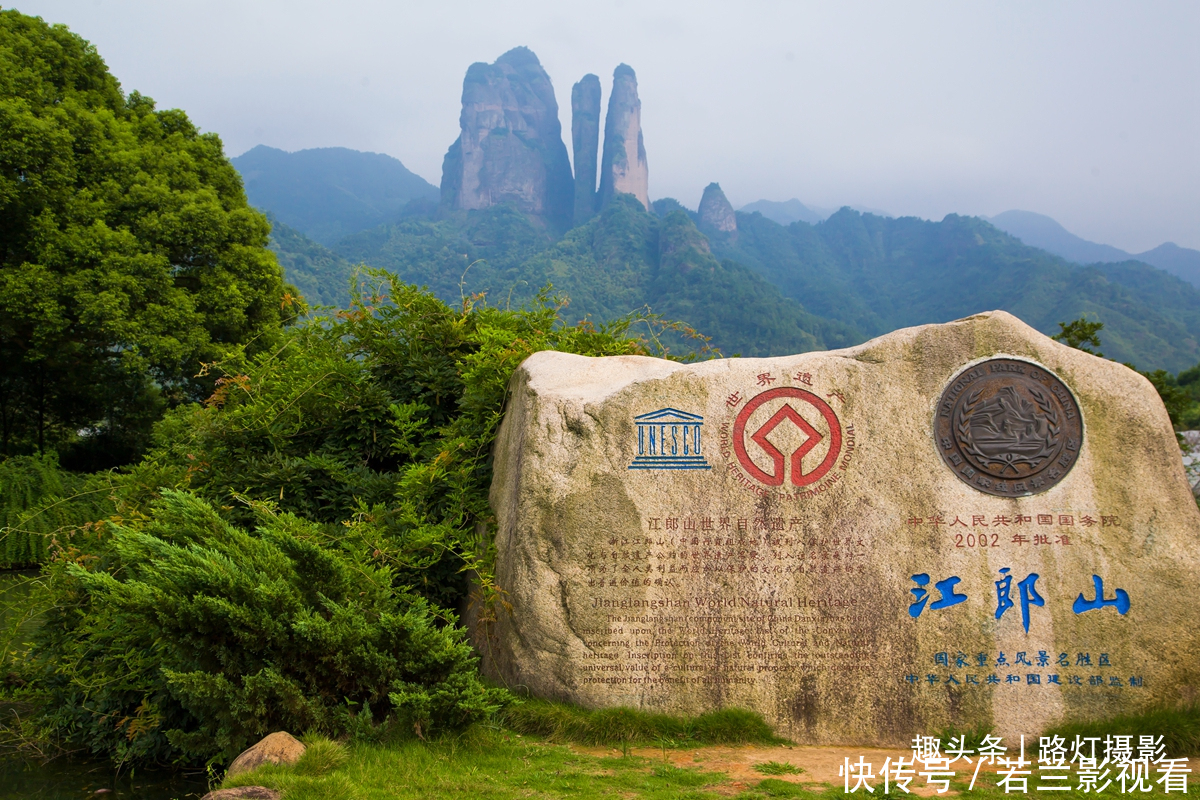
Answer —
1027 594
1120 601
948 597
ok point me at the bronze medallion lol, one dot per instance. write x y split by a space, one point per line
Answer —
1008 428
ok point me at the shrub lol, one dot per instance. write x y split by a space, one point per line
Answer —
282 556
183 636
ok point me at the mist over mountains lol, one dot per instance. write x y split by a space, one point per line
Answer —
512 217
1041 231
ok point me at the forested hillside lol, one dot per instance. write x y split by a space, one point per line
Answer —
878 274
322 276
621 261
770 289
766 288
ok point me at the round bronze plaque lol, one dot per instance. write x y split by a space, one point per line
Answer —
1008 428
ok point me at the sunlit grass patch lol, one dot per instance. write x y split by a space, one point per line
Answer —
1179 727
559 722
490 763
777 768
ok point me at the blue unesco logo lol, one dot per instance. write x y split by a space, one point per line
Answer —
669 439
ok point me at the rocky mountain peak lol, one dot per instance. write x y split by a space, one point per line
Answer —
510 146
623 167
715 212
585 136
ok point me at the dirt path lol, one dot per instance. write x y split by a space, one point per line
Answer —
820 765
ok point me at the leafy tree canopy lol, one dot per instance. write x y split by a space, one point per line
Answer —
128 253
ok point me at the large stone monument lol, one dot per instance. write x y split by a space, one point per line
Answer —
960 525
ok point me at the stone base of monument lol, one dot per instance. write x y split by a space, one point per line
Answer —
964 526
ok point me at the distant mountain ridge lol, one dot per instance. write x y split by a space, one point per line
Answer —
789 211
879 274
1039 230
329 193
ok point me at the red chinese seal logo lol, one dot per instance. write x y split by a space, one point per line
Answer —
811 406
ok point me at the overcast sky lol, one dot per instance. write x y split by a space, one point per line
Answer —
1088 112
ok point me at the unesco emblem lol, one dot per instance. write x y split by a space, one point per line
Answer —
669 439
1008 428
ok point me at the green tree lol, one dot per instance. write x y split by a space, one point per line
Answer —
128 253
1178 401
1080 334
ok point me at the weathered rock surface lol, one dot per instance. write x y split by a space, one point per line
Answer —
243 793
510 148
585 136
623 167
277 748
716 214
784 534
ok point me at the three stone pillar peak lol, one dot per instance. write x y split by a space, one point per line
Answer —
510 147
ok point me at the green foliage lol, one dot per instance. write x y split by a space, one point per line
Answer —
1179 727
1080 334
622 260
40 502
560 722
321 755
283 555
183 636
321 277
381 418
1182 405
128 254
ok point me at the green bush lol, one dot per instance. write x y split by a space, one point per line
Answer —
186 637
282 556
382 416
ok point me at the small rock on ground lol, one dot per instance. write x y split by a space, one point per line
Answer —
243 793
278 748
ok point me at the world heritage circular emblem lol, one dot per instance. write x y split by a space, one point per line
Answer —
788 416
1008 428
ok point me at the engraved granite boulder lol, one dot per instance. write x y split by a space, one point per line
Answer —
961 525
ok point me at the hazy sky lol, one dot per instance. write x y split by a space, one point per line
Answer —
1087 111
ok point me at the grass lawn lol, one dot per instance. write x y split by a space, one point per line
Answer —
497 763
485 764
